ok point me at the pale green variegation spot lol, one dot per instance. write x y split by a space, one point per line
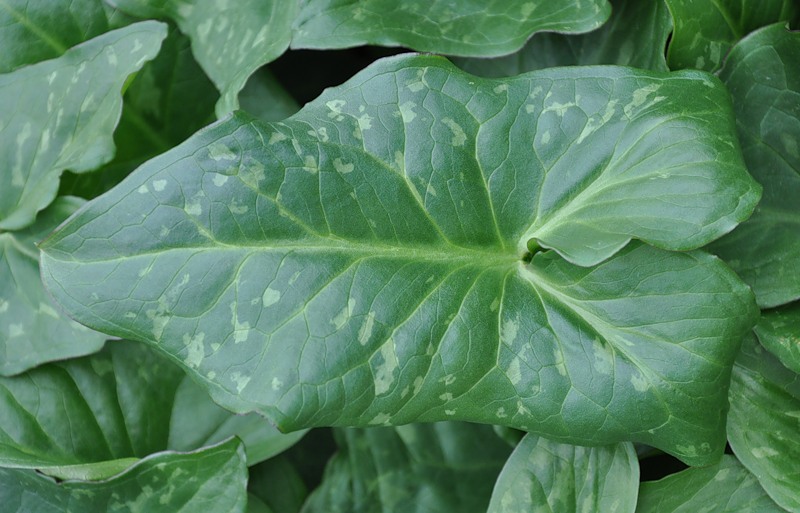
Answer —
764 422
763 75
471 28
779 331
92 417
36 30
211 480
446 466
230 38
548 477
635 35
726 487
33 330
60 114
327 271
706 30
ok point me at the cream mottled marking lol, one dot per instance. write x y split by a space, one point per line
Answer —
407 111
341 167
365 332
195 349
344 315
385 372
270 297
459 137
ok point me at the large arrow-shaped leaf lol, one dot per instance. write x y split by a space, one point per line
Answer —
723 488
549 477
764 422
763 75
474 28
32 330
92 417
706 31
779 331
212 480
60 114
635 35
445 466
364 262
229 40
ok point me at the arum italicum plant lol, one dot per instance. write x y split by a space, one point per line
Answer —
521 271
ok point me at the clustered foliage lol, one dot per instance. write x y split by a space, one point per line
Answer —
550 259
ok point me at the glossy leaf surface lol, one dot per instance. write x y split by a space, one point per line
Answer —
327 271
726 487
764 422
447 466
706 31
230 40
93 417
32 329
472 28
212 480
779 331
60 114
170 99
763 75
549 477
635 35
35 30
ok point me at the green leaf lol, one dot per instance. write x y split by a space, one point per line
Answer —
32 330
170 99
763 75
706 31
472 29
212 480
635 35
265 99
549 477
278 484
446 466
764 422
726 487
71 106
90 417
779 331
32 31
230 43
354 277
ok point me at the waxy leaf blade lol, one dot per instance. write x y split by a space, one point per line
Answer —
549 477
779 331
706 31
763 75
170 100
726 487
446 466
326 271
230 41
635 36
60 114
764 422
96 415
35 30
212 480
32 329
473 29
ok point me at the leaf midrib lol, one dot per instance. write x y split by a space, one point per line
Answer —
483 257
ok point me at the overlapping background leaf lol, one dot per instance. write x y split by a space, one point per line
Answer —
760 72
